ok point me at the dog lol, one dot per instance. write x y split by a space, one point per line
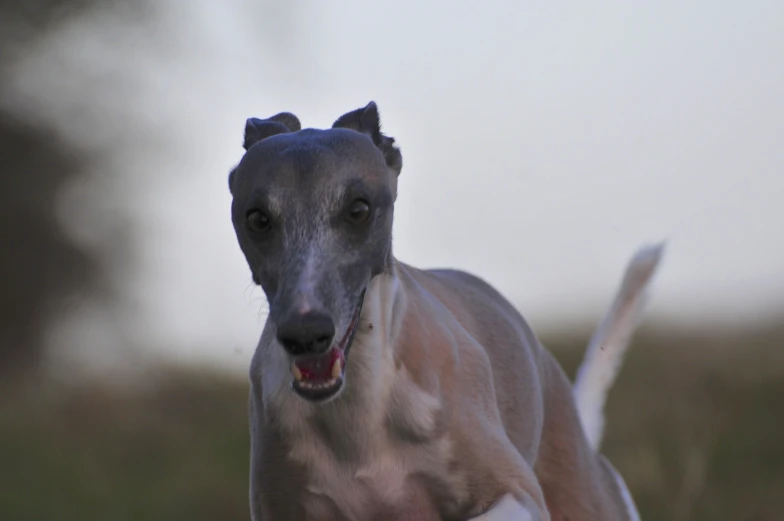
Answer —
383 392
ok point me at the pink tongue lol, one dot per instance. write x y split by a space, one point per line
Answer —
318 367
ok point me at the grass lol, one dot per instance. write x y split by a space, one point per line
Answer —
696 425
178 451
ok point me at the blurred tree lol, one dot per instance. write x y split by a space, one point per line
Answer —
40 266
39 263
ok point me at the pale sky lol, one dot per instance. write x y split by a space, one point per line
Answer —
542 145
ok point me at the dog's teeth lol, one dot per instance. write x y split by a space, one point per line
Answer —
296 372
336 369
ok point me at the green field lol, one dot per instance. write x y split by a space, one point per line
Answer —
696 425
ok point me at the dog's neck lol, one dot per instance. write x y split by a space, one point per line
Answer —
371 364
380 400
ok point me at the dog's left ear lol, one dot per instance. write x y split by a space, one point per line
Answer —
367 121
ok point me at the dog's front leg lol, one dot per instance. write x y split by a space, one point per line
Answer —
255 415
508 508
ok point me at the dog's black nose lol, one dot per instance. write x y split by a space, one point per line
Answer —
306 333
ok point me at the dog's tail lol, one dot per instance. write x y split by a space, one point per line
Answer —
610 340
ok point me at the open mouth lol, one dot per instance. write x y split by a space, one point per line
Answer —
320 377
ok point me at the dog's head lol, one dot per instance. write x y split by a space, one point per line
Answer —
312 210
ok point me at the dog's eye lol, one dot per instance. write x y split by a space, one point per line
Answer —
358 211
258 222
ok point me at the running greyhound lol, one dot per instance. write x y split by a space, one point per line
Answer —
383 392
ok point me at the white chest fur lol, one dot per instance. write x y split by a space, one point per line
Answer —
359 463
363 490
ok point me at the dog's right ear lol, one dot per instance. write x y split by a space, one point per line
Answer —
257 129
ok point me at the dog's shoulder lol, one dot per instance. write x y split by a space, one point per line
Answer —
470 291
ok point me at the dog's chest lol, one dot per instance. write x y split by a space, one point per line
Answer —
390 463
387 479
387 489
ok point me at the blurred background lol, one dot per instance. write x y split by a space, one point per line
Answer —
543 144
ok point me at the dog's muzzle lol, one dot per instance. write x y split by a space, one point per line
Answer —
319 377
